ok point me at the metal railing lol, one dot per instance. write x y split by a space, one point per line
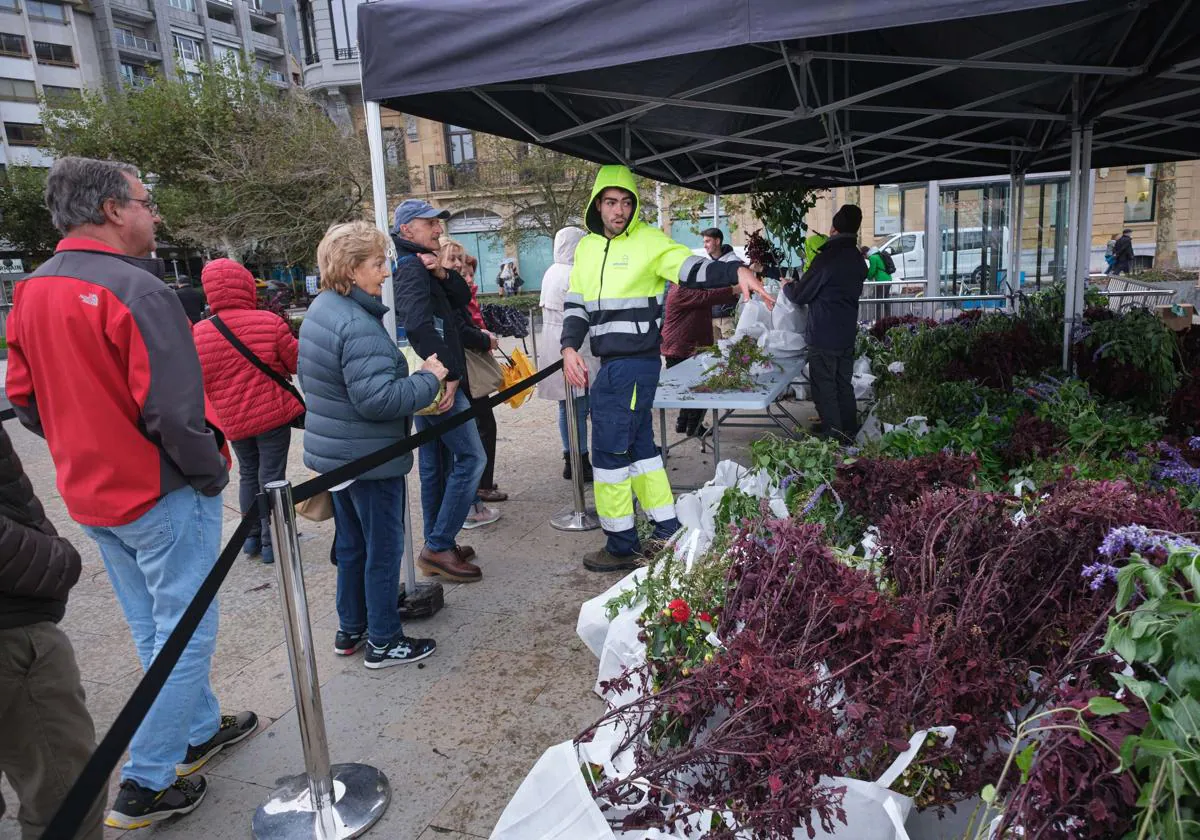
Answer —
274 76
345 53
135 42
939 308
311 58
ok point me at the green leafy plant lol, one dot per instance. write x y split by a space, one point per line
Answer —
782 212
732 369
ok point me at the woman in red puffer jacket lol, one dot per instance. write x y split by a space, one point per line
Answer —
254 411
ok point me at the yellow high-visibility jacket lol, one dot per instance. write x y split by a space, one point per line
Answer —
618 285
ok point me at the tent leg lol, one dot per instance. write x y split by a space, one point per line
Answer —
1016 220
933 239
1071 278
379 199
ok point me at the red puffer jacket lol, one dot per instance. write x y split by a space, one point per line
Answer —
247 403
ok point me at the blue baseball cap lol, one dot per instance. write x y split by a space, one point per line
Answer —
415 208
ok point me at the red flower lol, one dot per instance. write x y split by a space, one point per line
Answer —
680 611
706 617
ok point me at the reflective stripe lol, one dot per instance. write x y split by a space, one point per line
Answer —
646 465
624 327
632 407
618 524
662 514
653 490
617 476
575 312
575 297
617 304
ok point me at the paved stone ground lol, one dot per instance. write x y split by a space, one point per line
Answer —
456 734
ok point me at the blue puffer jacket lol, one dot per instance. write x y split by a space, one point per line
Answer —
356 384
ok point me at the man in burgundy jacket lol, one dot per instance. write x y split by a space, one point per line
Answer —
689 325
102 364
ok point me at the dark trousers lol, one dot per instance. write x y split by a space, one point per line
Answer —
486 422
829 373
369 539
688 417
261 460
46 733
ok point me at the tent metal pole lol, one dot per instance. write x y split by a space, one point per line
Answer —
716 209
1083 260
1016 217
933 239
379 200
1072 244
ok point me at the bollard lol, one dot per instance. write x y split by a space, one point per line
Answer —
417 600
325 802
578 517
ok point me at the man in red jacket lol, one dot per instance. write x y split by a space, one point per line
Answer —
101 363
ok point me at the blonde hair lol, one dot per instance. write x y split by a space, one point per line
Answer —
450 247
346 247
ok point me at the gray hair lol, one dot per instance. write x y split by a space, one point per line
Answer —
77 188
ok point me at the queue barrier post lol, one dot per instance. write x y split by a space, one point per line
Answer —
577 517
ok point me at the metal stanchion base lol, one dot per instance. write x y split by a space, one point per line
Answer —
426 600
572 520
361 795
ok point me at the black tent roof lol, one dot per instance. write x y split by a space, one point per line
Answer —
718 95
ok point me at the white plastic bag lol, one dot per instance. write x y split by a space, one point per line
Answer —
862 366
782 343
553 803
863 385
787 317
754 320
592 626
917 425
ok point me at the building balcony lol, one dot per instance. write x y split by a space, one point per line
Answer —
135 44
345 54
497 175
185 18
266 43
228 30
275 78
311 58
139 10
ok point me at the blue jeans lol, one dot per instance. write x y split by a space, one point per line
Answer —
156 563
581 418
261 460
451 468
369 542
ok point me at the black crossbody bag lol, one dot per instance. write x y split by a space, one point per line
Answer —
223 329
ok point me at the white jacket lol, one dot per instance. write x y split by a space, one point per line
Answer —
553 300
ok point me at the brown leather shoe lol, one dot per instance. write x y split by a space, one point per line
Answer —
464 552
491 494
448 565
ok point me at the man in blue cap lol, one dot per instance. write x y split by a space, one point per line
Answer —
427 299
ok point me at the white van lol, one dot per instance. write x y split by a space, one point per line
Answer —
908 252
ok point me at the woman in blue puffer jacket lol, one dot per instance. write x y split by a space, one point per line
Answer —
360 397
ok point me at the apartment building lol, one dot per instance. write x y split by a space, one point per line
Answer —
47 49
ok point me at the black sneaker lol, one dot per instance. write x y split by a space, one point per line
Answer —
602 561
347 644
400 652
138 807
234 728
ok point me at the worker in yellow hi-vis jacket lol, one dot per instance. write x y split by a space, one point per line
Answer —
616 301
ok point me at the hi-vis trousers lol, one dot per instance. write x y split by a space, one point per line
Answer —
624 458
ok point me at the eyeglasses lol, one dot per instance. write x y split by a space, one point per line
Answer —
149 203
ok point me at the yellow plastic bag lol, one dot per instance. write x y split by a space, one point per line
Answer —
518 368
414 365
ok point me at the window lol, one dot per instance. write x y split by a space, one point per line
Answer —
40 10
223 53
10 6
343 14
188 49
23 134
411 129
134 75
18 90
48 53
1139 194
12 45
460 145
186 5
56 95
888 207
904 244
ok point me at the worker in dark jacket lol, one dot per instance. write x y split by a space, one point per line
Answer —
830 288
428 299
46 733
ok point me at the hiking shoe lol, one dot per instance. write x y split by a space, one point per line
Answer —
602 561
252 547
233 728
480 515
347 644
138 807
400 651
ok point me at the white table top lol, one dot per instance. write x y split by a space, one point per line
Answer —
675 386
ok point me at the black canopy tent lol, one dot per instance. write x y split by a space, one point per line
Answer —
719 95
727 96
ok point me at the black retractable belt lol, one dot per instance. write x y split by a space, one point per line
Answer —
93 780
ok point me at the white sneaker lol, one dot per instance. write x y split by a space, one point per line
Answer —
480 515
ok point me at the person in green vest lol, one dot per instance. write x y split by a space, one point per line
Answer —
812 243
876 268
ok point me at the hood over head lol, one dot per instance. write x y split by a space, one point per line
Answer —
612 175
229 285
565 243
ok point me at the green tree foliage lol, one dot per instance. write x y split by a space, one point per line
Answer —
24 219
237 166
